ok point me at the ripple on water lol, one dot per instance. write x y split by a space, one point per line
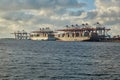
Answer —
48 60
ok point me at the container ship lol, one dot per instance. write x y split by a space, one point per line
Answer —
43 34
84 33
72 34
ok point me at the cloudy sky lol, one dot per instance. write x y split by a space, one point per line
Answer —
32 14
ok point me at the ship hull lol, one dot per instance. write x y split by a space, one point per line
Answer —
39 38
43 38
73 38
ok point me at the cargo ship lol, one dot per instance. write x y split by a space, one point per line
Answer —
44 34
72 34
84 33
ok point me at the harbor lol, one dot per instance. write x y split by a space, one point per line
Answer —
60 40
83 32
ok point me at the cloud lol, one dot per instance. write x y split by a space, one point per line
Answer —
109 12
73 13
38 4
33 14
91 15
17 16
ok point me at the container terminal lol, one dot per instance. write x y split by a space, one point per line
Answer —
76 32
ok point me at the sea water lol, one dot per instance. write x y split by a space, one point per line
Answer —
55 60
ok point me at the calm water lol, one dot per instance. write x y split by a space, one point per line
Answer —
50 60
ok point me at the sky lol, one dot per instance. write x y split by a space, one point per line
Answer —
31 15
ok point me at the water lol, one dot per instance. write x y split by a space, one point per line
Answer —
50 60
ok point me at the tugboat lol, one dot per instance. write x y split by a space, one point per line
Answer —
44 34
